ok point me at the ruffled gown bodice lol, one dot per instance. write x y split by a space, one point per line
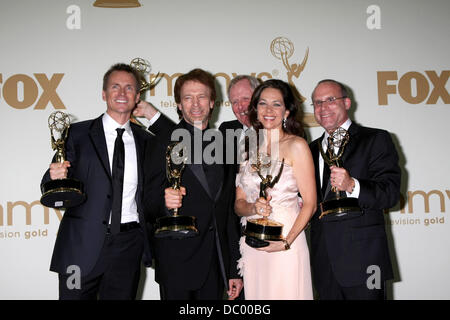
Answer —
276 275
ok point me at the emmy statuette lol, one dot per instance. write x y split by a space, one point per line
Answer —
175 226
257 231
338 206
144 68
61 193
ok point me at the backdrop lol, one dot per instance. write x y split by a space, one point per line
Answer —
393 55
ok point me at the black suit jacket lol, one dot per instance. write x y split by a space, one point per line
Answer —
232 147
187 261
83 229
354 245
228 146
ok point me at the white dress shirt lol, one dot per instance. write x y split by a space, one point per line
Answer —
154 118
345 125
130 178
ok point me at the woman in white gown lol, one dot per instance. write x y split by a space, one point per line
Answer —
280 270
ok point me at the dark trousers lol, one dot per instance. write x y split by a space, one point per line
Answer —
116 273
211 289
328 287
362 292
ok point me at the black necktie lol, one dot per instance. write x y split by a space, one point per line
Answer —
326 170
117 181
325 178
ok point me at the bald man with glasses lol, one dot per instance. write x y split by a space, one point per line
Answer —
349 255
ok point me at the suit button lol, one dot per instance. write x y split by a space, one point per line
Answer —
108 196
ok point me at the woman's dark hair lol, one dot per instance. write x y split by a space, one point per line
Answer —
293 126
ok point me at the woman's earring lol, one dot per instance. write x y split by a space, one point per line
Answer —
284 123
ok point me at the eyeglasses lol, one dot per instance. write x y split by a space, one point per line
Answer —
330 100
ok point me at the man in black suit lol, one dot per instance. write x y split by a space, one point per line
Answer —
199 267
239 92
107 248
350 257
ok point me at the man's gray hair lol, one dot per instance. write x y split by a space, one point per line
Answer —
254 82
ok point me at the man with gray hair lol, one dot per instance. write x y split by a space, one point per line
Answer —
239 92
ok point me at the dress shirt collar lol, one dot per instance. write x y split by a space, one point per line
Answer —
110 125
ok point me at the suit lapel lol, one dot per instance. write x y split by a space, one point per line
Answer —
316 154
197 170
236 148
353 131
97 136
219 192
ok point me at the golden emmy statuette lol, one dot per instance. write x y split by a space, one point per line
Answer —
283 49
144 68
61 193
337 206
257 231
175 226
